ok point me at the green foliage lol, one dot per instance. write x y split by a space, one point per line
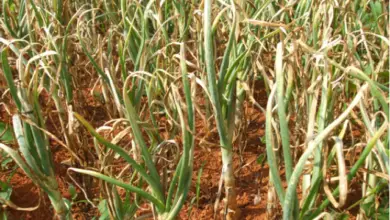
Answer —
103 210
6 191
261 159
72 191
6 133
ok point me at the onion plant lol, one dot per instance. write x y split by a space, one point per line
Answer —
166 196
36 160
313 97
129 83
167 205
224 110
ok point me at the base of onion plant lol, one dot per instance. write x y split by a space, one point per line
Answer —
47 184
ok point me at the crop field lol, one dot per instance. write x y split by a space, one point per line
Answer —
194 109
